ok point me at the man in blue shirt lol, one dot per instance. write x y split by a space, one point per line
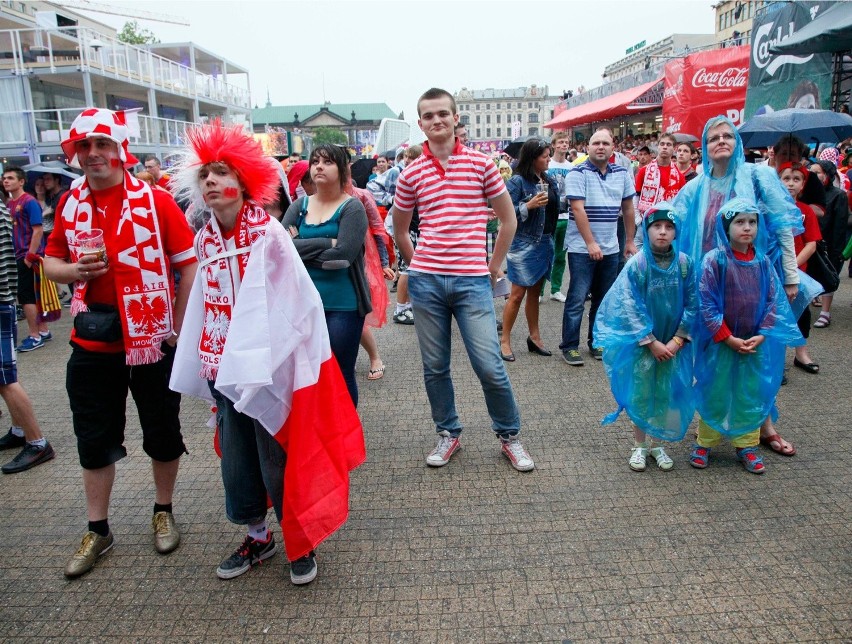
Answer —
598 192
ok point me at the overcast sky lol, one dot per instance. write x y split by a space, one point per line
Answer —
391 52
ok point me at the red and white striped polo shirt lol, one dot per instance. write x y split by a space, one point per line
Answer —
453 209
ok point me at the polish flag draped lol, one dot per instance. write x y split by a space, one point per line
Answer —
277 367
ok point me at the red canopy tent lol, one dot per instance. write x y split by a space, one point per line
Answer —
629 101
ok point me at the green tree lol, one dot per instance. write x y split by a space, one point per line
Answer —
133 34
323 135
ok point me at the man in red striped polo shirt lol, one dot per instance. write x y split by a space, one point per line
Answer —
448 276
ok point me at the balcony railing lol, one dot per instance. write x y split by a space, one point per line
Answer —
51 127
26 51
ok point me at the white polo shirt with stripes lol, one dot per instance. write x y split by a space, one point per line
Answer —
603 194
453 209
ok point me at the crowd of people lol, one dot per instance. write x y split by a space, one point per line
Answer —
253 284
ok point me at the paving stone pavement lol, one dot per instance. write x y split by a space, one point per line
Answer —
581 549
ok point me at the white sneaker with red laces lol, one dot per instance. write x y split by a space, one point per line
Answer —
517 455
446 447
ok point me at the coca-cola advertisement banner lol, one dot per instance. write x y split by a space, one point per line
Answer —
704 85
776 81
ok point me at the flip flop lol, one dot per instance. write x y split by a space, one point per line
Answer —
777 444
376 374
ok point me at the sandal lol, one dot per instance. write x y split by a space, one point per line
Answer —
750 459
823 321
699 456
817 301
778 444
376 374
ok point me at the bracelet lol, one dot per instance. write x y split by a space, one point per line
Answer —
677 341
174 334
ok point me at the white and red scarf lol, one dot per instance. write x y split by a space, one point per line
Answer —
652 190
221 287
142 282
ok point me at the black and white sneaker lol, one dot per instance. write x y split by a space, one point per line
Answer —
250 553
304 570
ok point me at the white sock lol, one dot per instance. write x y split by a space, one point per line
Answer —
402 307
39 442
17 431
259 531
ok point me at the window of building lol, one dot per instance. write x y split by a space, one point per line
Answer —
533 131
477 119
498 118
478 106
499 131
477 133
488 118
488 106
519 105
533 118
487 132
520 118
529 105
464 119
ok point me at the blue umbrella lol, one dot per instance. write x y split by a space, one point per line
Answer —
822 126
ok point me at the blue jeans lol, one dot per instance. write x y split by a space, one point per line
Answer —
436 299
252 464
587 276
344 334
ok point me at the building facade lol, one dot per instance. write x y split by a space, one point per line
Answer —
358 121
640 56
54 63
504 114
734 19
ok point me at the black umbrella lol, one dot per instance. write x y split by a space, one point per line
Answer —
514 148
822 126
683 137
361 171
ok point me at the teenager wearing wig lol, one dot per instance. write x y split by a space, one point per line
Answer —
530 259
254 341
328 229
746 324
794 176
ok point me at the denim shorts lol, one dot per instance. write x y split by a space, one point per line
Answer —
8 341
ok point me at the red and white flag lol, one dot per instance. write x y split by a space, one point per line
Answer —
277 367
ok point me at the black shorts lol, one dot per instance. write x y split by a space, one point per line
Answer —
97 385
26 284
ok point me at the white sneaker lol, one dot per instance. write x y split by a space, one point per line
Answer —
446 447
637 459
664 462
558 296
517 455
540 299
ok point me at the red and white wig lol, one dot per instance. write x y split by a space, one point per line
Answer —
232 146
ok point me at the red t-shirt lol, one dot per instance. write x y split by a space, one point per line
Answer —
812 232
163 181
175 233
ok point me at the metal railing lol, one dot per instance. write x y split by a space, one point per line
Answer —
26 51
51 127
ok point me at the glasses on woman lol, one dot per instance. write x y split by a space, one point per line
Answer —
721 137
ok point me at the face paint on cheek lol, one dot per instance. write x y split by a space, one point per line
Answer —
230 192
115 163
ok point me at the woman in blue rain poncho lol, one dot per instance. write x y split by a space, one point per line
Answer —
644 326
745 324
727 175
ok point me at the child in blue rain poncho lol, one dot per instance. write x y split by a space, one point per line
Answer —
746 322
644 327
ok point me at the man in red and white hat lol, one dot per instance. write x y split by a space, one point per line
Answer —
127 320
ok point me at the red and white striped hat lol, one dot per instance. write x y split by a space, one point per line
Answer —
97 122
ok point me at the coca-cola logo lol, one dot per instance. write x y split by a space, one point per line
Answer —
727 79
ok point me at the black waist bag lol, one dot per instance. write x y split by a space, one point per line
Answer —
100 323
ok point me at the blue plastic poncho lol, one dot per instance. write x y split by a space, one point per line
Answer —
646 299
700 200
736 392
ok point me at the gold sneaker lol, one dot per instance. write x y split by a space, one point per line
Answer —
166 535
92 547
